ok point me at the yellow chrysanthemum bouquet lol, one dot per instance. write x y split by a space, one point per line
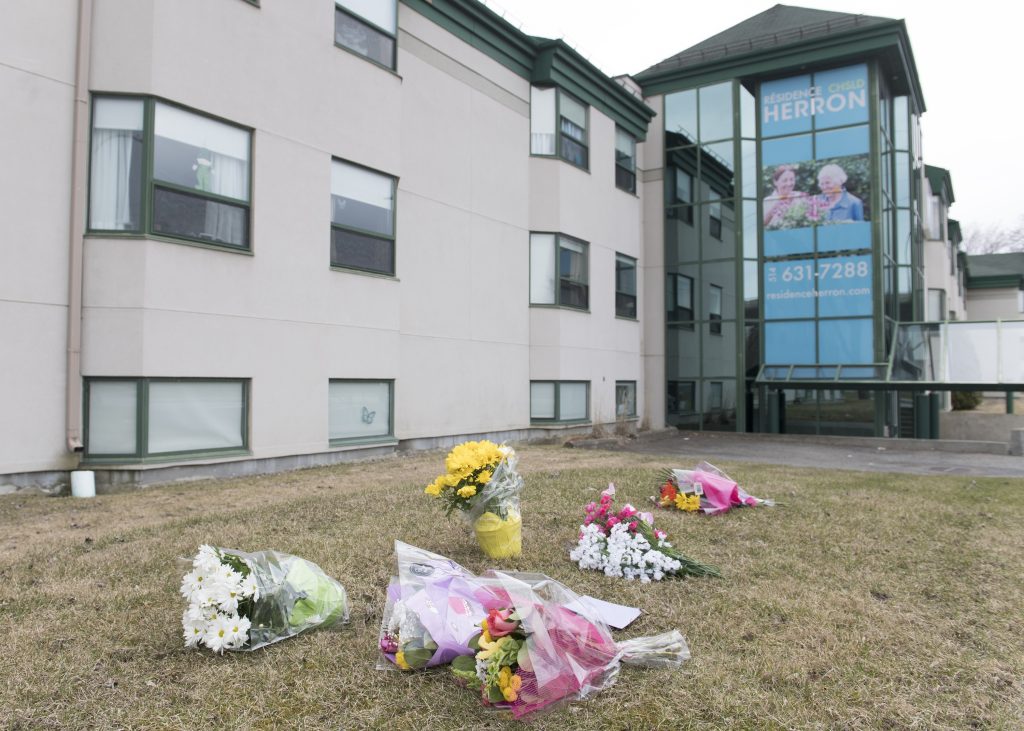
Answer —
481 482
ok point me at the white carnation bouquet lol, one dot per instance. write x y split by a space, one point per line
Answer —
626 544
244 601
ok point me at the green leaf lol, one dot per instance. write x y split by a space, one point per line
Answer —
494 694
474 642
417 658
523 659
465 663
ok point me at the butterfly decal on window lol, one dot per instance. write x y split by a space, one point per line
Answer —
368 415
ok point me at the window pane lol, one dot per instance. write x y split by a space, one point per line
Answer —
359 409
625 149
625 286
625 180
572 150
197 152
362 199
542 269
748 113
115 184
625 274
625 398
716 112
364 39
382 13
573 111
112 422
680 118
542 400
195 415
359 251
194 217
572 401
572 272
542 121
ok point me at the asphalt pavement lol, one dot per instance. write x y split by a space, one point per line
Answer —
921 457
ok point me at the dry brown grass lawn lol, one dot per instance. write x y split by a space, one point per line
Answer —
866 602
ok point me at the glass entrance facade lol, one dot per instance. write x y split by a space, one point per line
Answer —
792 240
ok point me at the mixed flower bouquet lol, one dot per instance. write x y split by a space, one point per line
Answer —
531 641
481 482
244 601
627 545
705 488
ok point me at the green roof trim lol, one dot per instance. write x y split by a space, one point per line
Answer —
995 271
940 182
539 60
829 41
559 65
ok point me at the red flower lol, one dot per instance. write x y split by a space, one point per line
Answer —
498 623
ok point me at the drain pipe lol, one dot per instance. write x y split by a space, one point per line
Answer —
76 243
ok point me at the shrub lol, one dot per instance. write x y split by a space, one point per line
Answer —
966 400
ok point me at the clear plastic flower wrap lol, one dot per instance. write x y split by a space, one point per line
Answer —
481 482
530 641
245 601
706 489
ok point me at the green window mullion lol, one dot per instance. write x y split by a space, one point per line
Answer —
196 193
148 135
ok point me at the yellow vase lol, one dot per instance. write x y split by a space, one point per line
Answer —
500 538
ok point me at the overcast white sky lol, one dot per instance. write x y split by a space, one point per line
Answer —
968 55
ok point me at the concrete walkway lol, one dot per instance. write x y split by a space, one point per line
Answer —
915 456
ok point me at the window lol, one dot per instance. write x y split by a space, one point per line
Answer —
558 271
715 219
625 399
683 188
625 286
715 309
572 123
139 418
559 401
679 299
558 126
936 305
362 219
368 28
680 396
625 161
198 184
359 411
715 395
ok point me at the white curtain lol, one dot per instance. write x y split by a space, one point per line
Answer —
572 401
542 121
229 178
112 409
542 400
359 409
109 189
115 123
195 415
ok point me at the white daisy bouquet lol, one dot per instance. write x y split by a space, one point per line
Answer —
626 544
244 601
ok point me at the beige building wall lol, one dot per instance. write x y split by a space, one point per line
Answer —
453 327
994 304
37 64
653 270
